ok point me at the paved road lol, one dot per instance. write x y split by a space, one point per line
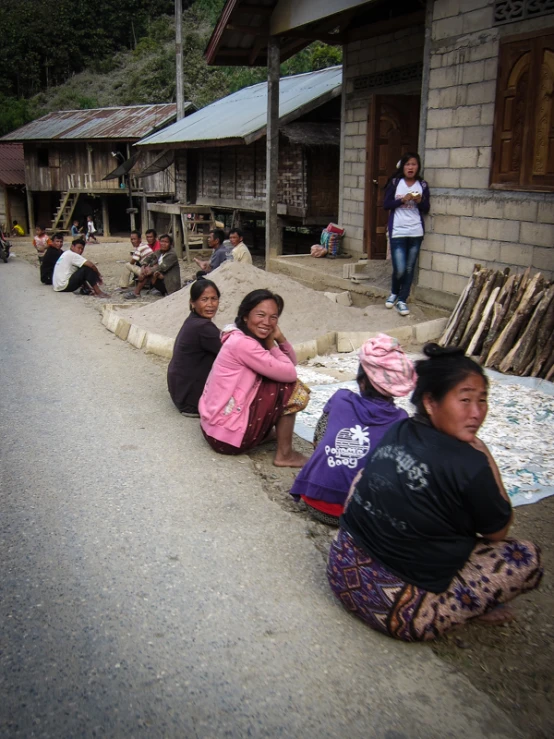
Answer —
149 588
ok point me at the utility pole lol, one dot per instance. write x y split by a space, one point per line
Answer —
179 59
273 228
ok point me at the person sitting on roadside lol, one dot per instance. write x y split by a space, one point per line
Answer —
75 230
53 253
240 251
220 253
152 239
422 546
41 242
164 274
17 230
352 425
196 347
253 385
73 271
133 268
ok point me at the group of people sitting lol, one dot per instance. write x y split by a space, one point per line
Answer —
422 514
67 271
153 262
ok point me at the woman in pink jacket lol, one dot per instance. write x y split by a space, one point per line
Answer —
253 386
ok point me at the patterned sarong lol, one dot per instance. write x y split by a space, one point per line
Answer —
495 573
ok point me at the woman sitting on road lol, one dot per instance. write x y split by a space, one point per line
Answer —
422 545
196 347
352 425
253 385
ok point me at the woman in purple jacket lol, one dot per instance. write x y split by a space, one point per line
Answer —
407 200
253 385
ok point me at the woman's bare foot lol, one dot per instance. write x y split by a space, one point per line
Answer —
498 616
294 459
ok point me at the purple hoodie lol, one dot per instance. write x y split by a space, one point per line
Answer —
354 428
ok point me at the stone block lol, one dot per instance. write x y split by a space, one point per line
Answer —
447 27
487 114
546 212
484 250
520 210
327 343
425 259
160 345
429 330
477 179
359 141
443 177
360 114
477 20
454 284
362 128
484 157
350 129
433 101
437 158
434 242
450 138
428 278
473 72
481 92
465 266
487 49
446 225
110 318
358 168
488 208
435 61
305 350
350 155
357 193
543 259
491 69
466 115
439 118
443 77
349 180
538 234
122 329
503 230
463 158
431 139
445 263
136 336
343 298
460 245
519 255
445 9
477 136
474 227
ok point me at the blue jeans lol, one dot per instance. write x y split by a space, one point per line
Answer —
404 252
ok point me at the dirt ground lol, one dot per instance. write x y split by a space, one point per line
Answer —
514 663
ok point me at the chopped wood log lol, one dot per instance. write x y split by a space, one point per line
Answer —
544 340
548 372
472 298
507 363
527 341
499 311
457 312
505 341
478 308
483 322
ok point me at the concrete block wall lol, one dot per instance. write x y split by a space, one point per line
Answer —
469 222
378 54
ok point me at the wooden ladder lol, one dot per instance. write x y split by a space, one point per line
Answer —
62 217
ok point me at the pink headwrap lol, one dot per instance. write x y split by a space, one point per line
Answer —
387 367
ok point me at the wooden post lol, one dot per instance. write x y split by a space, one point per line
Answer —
272 241
144 221
30 211
105 216
185 227
179 97
176 228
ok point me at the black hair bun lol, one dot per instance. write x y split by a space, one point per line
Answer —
434 351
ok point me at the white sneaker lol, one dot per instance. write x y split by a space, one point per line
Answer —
390 301
402 308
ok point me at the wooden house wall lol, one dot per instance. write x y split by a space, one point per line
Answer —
180 169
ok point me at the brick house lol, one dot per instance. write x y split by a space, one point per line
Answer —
466 82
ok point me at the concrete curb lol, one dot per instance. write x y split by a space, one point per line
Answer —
333 341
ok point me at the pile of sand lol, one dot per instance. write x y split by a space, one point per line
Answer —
308 313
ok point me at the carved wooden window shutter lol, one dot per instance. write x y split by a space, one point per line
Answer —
523 142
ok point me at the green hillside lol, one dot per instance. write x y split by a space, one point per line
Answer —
103 53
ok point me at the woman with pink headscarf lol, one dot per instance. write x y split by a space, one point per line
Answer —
352 425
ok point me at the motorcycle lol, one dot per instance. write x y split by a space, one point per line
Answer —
5 246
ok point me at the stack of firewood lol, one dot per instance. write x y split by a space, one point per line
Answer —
507 321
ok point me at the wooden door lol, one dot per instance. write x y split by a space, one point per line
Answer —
392 130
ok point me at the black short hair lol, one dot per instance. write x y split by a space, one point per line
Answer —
444 368
199 287
236 231
79 241
152 231
249 302
14 223
168 237
58 235
219 234
136 233
41 227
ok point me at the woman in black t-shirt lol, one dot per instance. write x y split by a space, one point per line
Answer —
422 545
196 347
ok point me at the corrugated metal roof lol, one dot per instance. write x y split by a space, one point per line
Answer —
12 169
130 122
243 115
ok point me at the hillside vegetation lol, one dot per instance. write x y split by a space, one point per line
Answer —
102 53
